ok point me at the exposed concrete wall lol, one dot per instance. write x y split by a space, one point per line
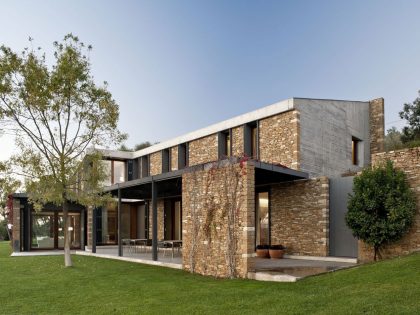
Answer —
326 131
407 160
299 216
205 202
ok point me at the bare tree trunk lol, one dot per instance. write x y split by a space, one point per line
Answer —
67 256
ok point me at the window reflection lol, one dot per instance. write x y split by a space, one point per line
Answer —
262 232
119 172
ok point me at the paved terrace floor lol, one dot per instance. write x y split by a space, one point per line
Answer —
288 269
291 269
139 256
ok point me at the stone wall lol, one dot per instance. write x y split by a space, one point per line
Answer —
174 158
89 226
203 150
407 160
279 139
160 219
205 220
16 226
377 125
156 163
299 216
238 141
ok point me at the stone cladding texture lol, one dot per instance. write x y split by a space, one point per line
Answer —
160 219
238 141
174 158
16 225
203 150
407 160
279 139
156 163
377 125
300 216
204 202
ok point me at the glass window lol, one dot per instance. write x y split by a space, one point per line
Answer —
254 142
262 220
355 151
119 172
43 231
227 144
107 169
74 230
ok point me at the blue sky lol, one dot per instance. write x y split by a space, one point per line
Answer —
176 66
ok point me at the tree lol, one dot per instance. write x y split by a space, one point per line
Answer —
393 140
8 185
142 145
137 147
382 206
411 113
57 113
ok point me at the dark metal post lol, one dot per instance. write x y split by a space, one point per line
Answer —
154 221
93 230
120 249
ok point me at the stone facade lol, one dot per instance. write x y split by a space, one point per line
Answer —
16 226
407 160
238 141
207 196
279 139
203 150
377 125
160 220
89 226
300 216
174 158
155 163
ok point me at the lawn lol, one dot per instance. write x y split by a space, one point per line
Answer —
41 285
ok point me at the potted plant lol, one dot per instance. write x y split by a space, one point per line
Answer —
276 251
262 251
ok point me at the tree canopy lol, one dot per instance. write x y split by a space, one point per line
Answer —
382 206
57 112
411 113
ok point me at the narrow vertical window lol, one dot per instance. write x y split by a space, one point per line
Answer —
227 144
262 219
254 141
224 143
355 150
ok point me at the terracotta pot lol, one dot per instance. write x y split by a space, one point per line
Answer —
262 253
276 253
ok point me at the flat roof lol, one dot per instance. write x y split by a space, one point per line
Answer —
264 112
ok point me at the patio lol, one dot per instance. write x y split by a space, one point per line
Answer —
138 256
293 269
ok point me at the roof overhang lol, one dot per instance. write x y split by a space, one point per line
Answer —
169 184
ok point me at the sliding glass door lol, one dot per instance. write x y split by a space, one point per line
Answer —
48 230
262 231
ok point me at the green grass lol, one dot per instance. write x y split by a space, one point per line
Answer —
41 285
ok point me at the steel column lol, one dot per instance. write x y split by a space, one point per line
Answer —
154 221
120 249
93 230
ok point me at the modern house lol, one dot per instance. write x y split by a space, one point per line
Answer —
290 155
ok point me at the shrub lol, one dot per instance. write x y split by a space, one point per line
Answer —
382 206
